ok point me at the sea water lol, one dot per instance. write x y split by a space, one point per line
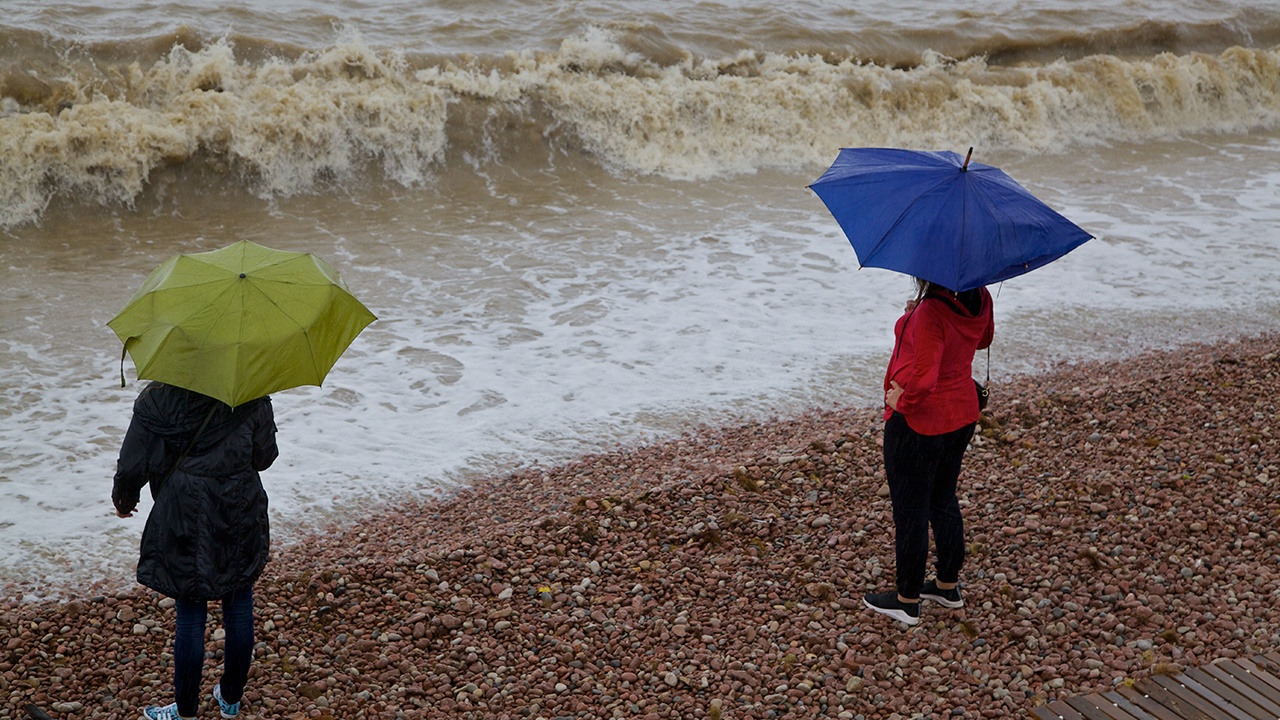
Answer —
585 224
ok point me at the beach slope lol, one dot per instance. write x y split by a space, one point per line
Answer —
1120 517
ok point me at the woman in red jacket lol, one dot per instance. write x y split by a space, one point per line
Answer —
931 409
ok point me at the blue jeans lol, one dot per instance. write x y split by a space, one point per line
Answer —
188 649
923 471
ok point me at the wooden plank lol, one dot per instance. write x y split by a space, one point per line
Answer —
1269 669
1261 678
1158 710
1217 686
1223 673
1128 706
1154 688
1229 689
1172 694
1215 695
1065 711
1088 707
1211 696
1104 706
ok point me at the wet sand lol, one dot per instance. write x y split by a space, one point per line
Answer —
1120 518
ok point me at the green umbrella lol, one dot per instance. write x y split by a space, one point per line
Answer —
241 322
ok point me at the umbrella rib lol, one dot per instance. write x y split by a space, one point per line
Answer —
884 238
301 327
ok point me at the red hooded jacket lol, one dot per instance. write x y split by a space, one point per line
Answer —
933 362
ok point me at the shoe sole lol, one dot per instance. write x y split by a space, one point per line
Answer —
898 615
953 604
145 716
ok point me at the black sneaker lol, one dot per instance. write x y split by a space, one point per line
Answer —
887 603
946 598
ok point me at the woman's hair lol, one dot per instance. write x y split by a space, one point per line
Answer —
922 288
971 299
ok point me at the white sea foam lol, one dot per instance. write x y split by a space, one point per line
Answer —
597 318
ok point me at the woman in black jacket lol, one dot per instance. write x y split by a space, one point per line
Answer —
207 536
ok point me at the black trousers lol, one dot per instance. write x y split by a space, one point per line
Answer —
922 471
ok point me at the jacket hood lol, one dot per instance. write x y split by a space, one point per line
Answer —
176 414
969 324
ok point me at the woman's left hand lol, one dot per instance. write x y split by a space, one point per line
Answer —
891 397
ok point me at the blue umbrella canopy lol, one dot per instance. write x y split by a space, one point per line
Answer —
936 216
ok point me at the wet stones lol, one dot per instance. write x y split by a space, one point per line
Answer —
721 574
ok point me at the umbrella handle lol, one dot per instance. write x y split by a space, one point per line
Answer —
965 166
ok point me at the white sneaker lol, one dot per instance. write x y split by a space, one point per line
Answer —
228 710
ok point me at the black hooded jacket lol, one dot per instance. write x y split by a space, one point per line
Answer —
207 534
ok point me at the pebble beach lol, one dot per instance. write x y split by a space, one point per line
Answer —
1121 520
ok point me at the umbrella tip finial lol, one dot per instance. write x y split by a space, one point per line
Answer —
965 166
242 276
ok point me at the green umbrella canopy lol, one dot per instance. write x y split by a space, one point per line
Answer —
241 322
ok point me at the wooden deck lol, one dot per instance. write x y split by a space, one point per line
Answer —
1233 689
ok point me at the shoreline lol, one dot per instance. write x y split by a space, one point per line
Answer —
1120 518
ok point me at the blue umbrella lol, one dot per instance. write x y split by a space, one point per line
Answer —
935 216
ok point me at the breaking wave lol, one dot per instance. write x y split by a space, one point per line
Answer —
279 121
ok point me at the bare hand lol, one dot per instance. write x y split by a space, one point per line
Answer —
911 305
895 392
124 514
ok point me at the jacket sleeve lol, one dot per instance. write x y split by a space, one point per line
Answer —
928 337
265 451
133 468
